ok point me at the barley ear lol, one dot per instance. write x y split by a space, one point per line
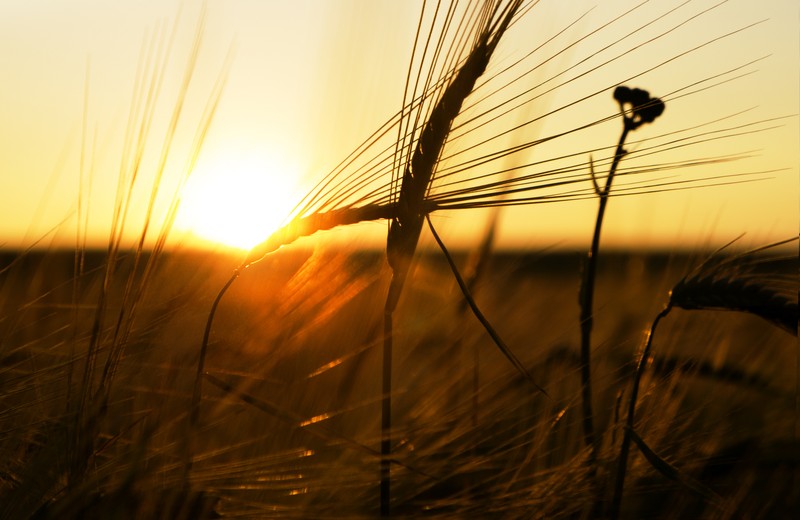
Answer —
731 294
758 285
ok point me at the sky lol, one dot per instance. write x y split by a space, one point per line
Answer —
306 82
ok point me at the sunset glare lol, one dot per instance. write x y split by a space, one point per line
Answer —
90 92
237 202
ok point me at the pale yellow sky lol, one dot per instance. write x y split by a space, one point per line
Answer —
310 80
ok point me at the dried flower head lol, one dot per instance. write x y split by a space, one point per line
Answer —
637 106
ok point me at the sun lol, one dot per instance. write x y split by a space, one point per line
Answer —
238 202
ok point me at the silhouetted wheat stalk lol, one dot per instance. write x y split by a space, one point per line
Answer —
744 283
740 283
91 403
406 223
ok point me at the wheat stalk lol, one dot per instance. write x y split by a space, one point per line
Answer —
406 223
91 404
737 294
744 283
305 226
737 283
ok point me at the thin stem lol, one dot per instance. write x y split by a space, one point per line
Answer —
386 414
478 314
587 296
194 411
626 439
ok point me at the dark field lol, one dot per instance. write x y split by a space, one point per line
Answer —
290 413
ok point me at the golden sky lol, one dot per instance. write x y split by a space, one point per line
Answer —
306 82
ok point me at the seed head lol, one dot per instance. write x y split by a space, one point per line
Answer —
637 106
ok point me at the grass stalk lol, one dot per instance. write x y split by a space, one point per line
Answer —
622 462
734 284
636 108
587 300
386 414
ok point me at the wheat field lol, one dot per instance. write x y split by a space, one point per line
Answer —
317 378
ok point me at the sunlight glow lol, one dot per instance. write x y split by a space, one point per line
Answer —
238 202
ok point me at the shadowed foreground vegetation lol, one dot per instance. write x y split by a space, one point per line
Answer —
290 423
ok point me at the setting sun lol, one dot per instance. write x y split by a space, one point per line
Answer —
237 202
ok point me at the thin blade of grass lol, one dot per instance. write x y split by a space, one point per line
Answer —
674 474
498 341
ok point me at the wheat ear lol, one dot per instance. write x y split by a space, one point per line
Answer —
406 223
744 283
308 225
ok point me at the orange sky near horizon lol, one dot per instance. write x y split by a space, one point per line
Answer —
307 82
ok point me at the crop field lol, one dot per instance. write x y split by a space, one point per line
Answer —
442 370
290 418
